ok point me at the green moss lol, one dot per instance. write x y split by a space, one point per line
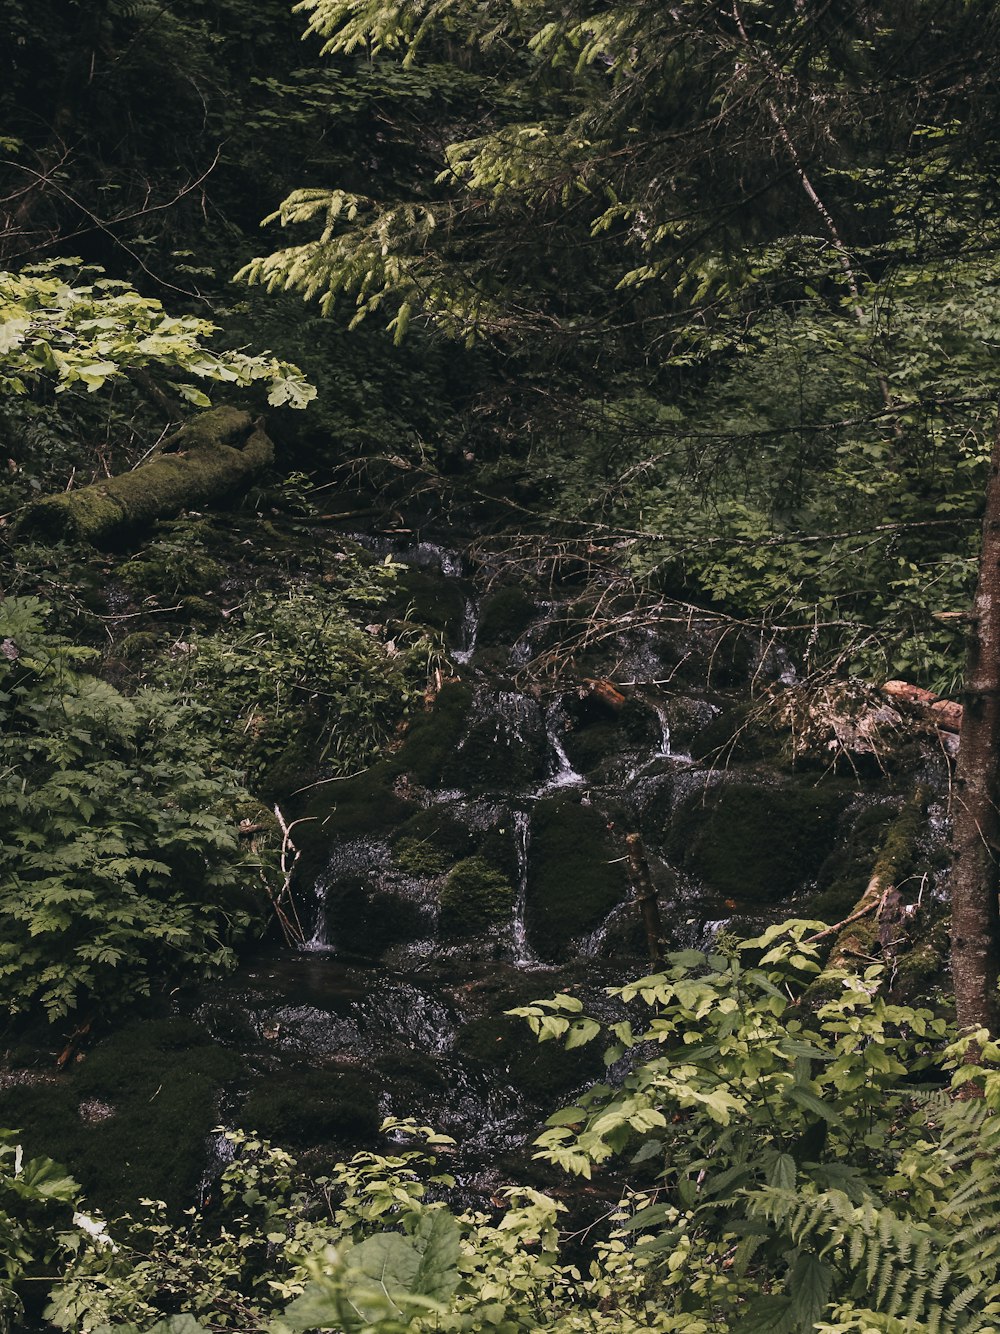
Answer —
137 646
475 895
434 736
589 745
504 616
920 975
845 873
435 829
537 1069
757 843
430 600
312 1107
575 875
493 757
417 857
133 1118
896 855
205 467
357 807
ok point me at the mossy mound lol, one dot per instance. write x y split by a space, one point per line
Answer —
429 600
302 1109
367 804
434 736
599 732
756 843
444 838
418 857
589 745
133 1118
575 875
538 1069
504 748
504 616
475 896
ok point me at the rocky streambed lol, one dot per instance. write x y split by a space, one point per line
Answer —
479 865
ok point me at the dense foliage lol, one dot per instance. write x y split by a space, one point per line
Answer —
118 817
798 1159
747 334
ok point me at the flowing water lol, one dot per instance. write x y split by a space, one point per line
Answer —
542 784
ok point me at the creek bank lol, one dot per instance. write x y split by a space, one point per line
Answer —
479 865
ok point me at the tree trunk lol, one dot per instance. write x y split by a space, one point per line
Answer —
975 909
214 456
644 895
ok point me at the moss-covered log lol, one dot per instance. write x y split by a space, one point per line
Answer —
216 455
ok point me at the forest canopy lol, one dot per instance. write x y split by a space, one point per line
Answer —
669 317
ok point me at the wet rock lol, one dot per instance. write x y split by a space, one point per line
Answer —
504 616
576 875
303 1109
756 842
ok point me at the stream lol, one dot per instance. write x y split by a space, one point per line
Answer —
402 995
478 866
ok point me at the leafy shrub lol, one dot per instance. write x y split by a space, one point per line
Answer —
122 858
36 1198
300 676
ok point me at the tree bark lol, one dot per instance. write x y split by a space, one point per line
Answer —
216 455
975 908
644 894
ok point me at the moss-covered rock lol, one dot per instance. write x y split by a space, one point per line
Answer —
430 600
134 1117
504 747
306 1108
434 736
418 857
475 896
589 745
756 843
367 804
575 874
539 1070
445 839
504 615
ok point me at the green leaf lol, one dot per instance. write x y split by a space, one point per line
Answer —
808 1100
809 1283
438 1239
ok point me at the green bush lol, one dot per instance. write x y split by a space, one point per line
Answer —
301 680
122 858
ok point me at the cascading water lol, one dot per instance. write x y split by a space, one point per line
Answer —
394 984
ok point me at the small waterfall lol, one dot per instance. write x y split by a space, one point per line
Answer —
523 953
468 633
664 718
318 941
563 773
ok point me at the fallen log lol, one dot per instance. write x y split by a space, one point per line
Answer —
212 457
945 714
